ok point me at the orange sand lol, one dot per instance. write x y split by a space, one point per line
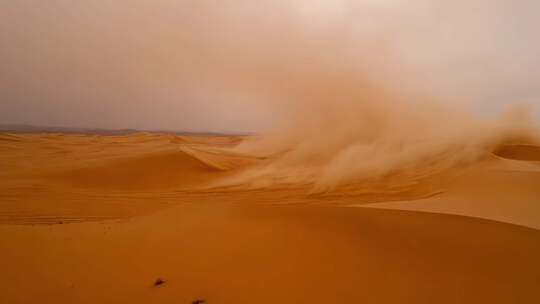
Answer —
97 219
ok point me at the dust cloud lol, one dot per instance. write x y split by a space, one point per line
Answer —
341 117
340 92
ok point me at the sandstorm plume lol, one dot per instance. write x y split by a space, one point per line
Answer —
341 115
378 92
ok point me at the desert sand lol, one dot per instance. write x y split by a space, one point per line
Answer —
280 152
98 219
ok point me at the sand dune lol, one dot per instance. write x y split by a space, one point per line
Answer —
226 253
47 178
155 171
158 169
499 189
150 206
220 158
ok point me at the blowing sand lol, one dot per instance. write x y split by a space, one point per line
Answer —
98 219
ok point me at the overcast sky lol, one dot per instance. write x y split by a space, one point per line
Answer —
205 65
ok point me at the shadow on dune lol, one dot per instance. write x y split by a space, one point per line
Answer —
519 152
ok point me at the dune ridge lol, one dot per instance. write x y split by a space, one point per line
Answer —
59 177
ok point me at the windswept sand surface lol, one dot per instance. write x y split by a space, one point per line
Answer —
97 219
506 190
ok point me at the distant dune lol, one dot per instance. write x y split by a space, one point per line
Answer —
21 128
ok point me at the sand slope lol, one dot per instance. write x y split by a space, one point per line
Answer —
501 189
257 254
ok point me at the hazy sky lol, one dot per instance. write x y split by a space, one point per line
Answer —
220 65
